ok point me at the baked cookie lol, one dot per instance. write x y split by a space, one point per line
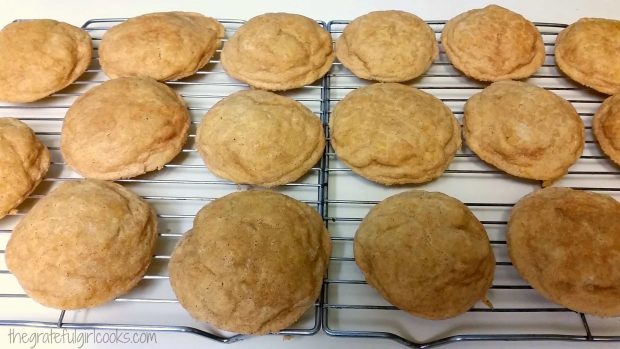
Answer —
24 161
566 244
278 51
258 137
606 127
123 128
493 44
39 57
253 262
587 51
389 46
162 46
394 134
84 244
524 130
425 253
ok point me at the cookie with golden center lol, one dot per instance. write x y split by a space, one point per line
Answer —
39 57
258 137
278 51
566 244
123 128
84 244
253 262
426 253
162 45
587 51
493 44
394 134
388 46
523 130
606 127
24 161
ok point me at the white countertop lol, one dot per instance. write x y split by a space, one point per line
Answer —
77 12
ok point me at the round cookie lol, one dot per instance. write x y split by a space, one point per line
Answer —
606 127
253 262
394 134
278 51
123 128
84 244
39 57
566 244
261 138
388 46
587 51
493 44
425 253
523 130
162 46
24 161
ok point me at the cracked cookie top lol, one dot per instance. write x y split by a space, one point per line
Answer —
426 253
253 262
587 51
123 128
493 44
278 51
387 46
163 46
524 130
24 161
39 57
606 127
566 244
394 134
82 245
261 138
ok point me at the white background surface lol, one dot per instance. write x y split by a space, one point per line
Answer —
77 12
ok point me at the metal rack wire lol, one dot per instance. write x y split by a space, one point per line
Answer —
352 309
177 193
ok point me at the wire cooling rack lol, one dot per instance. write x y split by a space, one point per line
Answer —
177 193
353 309
347 307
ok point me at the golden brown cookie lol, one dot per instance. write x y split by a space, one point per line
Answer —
566 244
425 253
24 161
524 130
162 46
253 262
84 244
39 57
123 128
493 44
258 137
278 51
389 46
606 127
394 134
587 51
